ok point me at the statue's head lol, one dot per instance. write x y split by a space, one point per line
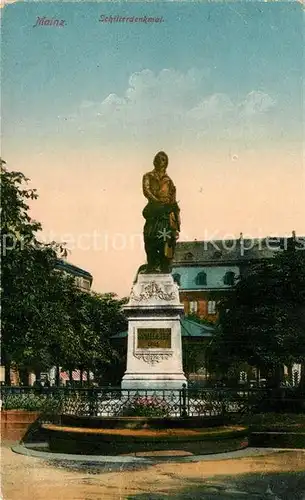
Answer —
160 161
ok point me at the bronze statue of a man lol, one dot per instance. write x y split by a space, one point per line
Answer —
162 217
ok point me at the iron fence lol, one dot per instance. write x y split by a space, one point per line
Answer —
116 402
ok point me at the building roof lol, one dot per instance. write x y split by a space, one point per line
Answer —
219 252
189 328
215 276
72 269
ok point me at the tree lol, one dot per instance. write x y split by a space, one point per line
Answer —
194 352
94 319
27 271
193 356
46 320
263 321
107 319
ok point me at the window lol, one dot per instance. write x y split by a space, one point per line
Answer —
177 278
229 278
188 256
211 307
82 283
193 307
201 278
86 284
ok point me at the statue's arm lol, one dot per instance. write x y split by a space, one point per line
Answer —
173 192
177 211
146 189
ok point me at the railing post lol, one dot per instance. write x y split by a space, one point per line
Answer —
92 402
183 410
222 399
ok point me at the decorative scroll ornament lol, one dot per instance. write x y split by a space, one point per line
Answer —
151 358
152 290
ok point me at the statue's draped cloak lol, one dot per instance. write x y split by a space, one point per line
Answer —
162 223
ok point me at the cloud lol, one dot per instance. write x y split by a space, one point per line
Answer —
214 106
174 102
149 96
256 102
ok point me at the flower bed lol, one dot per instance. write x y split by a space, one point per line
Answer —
146 406
100 422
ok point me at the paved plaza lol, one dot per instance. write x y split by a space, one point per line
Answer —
278 475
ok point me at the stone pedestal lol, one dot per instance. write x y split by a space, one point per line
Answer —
154 351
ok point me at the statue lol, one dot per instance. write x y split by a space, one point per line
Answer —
162 215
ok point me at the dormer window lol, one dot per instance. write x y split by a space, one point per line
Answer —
177 279
201 279
229 278
188 256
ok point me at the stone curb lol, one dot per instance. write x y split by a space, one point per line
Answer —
98 459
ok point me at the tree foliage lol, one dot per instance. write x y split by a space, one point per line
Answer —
263 321
27 266
46 319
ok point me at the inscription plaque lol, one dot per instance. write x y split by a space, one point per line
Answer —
154 338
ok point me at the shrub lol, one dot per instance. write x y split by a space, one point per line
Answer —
278 421
283 400
31 402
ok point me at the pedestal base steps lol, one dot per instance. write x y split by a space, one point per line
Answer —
144 382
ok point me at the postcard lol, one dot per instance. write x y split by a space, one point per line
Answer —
96 97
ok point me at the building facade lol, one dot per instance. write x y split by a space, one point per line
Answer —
206 271
83 279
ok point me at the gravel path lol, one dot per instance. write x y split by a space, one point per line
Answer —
277 476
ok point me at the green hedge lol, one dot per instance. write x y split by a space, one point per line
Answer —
278 422
31 402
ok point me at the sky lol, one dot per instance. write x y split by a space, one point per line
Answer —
87 105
